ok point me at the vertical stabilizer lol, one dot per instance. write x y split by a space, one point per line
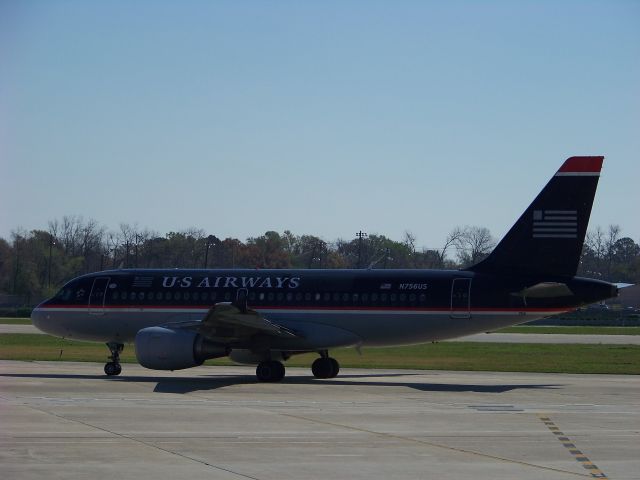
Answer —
547 239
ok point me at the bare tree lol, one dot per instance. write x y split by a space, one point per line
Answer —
611 238
473 243
452 241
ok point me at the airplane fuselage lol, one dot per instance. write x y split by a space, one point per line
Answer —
371 307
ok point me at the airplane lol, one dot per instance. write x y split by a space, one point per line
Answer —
178 318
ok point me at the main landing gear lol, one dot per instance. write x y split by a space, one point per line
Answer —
325 366
113 367
270 371
273 370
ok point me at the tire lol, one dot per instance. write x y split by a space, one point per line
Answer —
112 369
322 368
271 371
335 367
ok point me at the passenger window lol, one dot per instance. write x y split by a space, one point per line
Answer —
132 296
187 295
227 296
252 296
196 296
270 296
317 297
280 296
298 297
177 296
412 297
115 296
167 295
374 297
261 296
141 296
326 297
355 298
393 297
383 297
307 297
214 295
345 297
336 297
365 298
289 296
403 297
423 298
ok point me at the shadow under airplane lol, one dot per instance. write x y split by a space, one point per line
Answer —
214 382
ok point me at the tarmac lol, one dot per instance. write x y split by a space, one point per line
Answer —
67 420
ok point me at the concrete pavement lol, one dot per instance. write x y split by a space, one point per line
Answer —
66 420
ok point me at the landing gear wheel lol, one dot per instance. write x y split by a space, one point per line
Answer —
335 367
112 369
270 371
325 367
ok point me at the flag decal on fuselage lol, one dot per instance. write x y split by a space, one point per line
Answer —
143 282
555 224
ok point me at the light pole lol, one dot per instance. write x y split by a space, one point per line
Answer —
51 244
360 236
138 238
211 241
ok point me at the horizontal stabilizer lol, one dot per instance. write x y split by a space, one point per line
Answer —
546 290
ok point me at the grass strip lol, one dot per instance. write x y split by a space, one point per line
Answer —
15 321
571 330
498 357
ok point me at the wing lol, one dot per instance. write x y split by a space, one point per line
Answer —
237 326
228 323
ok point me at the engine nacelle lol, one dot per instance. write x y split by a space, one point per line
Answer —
161 348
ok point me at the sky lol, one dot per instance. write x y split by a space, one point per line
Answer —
322 118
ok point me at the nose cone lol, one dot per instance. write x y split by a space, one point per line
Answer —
42 320
38 318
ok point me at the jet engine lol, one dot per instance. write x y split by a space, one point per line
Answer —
162 348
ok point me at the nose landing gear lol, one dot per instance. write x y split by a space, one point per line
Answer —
113 367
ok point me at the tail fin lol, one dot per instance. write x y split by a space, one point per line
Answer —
547 239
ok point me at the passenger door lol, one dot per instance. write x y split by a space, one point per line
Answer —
97 295
461 298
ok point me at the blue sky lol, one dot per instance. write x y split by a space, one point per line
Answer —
318 117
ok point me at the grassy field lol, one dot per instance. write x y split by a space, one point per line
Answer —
621 359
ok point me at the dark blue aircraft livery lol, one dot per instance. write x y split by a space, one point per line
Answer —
180 318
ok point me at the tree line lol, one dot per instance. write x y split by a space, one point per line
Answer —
34 264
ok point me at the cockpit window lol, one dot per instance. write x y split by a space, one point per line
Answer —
64 294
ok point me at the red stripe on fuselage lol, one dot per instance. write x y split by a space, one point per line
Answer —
306 307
